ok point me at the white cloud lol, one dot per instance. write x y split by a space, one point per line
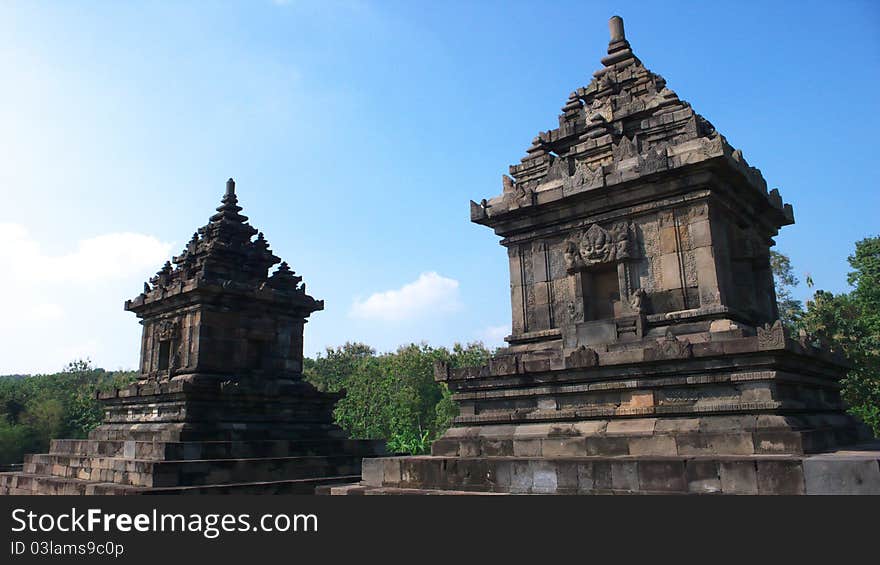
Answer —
67 304
429 294
494 335
47 312
113 255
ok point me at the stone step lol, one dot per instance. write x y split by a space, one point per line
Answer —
215 449
215 431
643 436
855 471
291 486
30 483
362 489
151 473
25 484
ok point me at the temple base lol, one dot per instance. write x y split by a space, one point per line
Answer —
202 436
855 470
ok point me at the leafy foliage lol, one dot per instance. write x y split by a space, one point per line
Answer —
393 396
35 409
784 279
850 323
328 372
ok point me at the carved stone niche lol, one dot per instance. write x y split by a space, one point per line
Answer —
166 346
600 257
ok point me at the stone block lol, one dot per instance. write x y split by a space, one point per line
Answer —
727 423
625 476
585 477
639 399
602 475
521 478
566 447
469 448
662 476
780 477
567 477
677 425
668 240
591 427
841 476
631 427
502 475
738 477
390 470
703 476
670 272
769 442
544 477
496 447
715 444
527 447
445 448
654 445
700 234
607 446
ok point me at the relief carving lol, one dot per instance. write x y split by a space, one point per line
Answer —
582 357
168 329
670 347
585 178
596 246
771 337
636 301
504 365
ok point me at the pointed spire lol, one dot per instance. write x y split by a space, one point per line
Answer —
618 47
229 208
284 278
572 105
260 243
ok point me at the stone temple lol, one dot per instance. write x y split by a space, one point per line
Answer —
220 406
646 353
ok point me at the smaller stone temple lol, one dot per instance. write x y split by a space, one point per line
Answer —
646 353
220 405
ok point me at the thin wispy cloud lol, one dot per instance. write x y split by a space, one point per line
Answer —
429 294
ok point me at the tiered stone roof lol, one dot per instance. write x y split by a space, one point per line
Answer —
624 125
224 254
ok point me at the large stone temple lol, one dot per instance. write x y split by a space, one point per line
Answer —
646 352
220 405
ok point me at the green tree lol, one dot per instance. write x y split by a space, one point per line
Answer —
329 372
394 396
36 409
850 323
784 279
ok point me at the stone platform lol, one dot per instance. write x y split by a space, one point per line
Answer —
184 437
855 470
97 467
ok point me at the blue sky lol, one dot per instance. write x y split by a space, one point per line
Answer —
358 131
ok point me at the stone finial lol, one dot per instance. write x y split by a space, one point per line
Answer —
618 47
230 186
615 26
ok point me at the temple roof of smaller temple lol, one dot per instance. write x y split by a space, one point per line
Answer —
224 254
